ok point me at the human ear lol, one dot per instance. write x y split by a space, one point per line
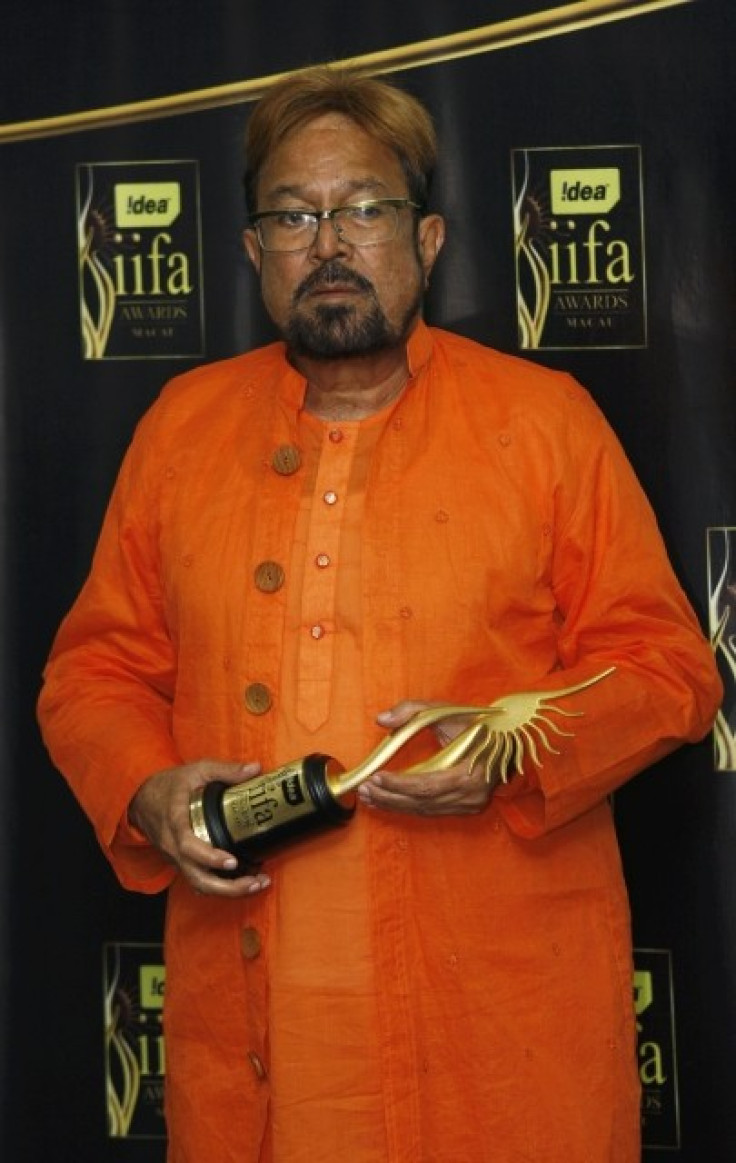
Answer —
431 236
252 248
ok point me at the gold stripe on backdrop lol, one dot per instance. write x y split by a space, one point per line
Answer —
550 22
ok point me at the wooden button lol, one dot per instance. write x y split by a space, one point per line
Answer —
250 943
269 577
286 460
257 698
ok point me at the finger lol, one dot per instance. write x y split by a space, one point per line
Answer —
392 802
213 870
210 770
431 785
231 886
199 854
456 793
241 773
400 714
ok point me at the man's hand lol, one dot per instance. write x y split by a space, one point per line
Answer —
458 791
160 809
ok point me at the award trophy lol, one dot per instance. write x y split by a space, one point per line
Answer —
316 793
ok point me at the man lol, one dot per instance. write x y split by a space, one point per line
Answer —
306 544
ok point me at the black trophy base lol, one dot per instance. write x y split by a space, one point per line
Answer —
262 816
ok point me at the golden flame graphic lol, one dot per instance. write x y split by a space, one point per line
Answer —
95 283
723 641
532 316
123 1069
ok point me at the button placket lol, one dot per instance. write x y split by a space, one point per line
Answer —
316 651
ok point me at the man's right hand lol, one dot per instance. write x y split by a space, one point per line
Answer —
160 810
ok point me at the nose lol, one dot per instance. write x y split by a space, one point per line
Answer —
328 240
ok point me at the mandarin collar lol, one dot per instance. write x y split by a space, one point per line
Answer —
418 348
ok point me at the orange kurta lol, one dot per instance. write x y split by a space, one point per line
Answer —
409 990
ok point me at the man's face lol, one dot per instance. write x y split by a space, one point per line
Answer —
336 300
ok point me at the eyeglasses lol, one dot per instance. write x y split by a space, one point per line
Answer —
362 224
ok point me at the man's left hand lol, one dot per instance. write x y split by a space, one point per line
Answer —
457 791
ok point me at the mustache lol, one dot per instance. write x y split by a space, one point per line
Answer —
332 272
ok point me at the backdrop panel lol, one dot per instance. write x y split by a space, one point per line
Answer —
648 96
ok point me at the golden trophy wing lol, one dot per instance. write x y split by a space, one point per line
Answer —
498 736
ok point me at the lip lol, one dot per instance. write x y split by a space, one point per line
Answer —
336 289
334 292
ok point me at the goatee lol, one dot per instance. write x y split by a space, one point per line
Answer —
342 330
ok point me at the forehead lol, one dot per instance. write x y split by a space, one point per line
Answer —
329 157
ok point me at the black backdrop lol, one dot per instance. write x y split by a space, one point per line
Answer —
657 75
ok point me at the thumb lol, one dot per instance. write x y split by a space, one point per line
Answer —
233 773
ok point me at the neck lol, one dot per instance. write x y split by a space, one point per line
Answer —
352 389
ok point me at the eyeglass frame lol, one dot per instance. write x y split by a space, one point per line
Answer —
320 216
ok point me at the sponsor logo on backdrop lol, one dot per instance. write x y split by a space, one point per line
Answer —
722 618
654 1005
135 1060
579 247
140 269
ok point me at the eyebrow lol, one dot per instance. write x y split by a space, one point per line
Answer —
300 193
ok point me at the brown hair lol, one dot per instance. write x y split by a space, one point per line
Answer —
387 113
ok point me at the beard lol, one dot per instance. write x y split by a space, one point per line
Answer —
344 330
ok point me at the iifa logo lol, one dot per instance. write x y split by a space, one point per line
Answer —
579 248
589 258
139 259
149 265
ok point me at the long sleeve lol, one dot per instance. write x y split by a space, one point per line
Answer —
105 707
620 605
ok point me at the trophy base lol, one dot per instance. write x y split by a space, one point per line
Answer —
259 817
